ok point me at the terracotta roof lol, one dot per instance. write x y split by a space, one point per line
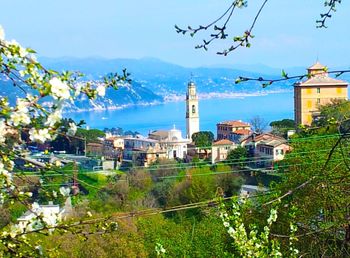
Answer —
94 144
234 123
323 80
223 142
273 143
317 66
112 138
242 132
263 137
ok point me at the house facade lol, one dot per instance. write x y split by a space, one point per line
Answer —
220 150
266 148
319 89
224 129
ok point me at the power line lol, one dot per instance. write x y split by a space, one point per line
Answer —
150 212
195 174
192 165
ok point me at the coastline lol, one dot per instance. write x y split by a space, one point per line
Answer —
177 98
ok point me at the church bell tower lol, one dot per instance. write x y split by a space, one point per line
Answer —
192 112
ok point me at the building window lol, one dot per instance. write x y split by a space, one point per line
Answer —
309 104
318 90
193 109
318 101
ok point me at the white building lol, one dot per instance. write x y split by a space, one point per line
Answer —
192 111
172 142
51 214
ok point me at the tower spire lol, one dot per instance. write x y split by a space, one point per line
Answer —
192 112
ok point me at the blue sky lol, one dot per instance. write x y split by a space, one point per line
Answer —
286 33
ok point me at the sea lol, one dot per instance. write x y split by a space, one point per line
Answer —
143 119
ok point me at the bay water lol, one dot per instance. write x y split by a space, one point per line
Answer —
212 111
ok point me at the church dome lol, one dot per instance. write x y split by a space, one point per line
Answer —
175 134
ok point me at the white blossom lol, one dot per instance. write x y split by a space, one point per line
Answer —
41 135
64 191
35 206
53 118
160 249
22 73
6 174
101 90
72 129
22 52
231 231
59 89
3 131
13 43
19 117
78 88
273 216
2 33
50 219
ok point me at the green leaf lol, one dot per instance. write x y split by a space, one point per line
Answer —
284 74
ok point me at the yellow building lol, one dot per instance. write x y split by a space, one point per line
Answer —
319 89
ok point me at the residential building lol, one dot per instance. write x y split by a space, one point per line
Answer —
271 151
118 141
238 135
192 111
319 89
269 143
142 151
224 129
94 149
220 150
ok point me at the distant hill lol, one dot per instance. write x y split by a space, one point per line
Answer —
162 77
154 81
134 94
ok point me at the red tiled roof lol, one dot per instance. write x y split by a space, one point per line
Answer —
321 81
263 137
243 132
223 142
234 123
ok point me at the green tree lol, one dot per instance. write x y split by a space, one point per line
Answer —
227 179
331 114
238 156
203 140
281 127
90 135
